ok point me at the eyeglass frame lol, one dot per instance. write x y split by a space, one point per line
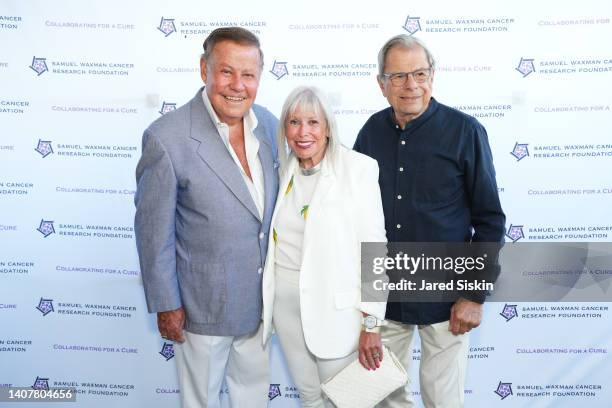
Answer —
388 76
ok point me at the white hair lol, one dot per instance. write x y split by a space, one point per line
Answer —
308 98
405 41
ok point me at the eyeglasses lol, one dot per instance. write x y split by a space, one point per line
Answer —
400 78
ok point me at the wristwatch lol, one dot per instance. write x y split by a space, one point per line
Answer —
371 324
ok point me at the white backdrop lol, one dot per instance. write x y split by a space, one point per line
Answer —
79 82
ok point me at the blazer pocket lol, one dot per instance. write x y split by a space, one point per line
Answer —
205 294
346 299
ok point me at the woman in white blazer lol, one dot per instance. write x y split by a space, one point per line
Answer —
328 204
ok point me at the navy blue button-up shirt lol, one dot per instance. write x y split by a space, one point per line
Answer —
437 182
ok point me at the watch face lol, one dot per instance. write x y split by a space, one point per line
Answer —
369 322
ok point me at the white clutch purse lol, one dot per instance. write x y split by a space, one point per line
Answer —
356 387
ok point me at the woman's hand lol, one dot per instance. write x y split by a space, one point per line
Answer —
370 350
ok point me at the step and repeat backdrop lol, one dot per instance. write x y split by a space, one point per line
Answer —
80 81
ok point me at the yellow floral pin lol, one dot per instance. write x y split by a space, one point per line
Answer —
290 186
304 212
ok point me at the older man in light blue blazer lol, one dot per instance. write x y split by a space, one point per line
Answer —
206 185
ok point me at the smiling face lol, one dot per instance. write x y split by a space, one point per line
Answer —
306 132
231 75
410 100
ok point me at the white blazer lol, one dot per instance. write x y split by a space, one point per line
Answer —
345 210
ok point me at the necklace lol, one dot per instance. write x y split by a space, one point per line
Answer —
311 171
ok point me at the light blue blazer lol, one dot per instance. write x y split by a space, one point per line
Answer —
200 239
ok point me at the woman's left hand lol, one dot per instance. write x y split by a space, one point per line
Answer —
370 350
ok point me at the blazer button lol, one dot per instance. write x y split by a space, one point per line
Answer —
259 271
261 235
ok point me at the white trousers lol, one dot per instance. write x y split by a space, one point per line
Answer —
307 370
203 362
443 364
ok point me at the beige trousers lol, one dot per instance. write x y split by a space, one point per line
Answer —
442 369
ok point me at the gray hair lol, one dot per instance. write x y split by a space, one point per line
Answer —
405 41
308 98
238 35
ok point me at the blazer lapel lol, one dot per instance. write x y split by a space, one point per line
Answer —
282 186
325 182
269 166
213 152
323 185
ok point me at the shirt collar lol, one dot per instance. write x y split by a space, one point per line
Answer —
433 105
251 119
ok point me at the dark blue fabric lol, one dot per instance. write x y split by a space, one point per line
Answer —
445 176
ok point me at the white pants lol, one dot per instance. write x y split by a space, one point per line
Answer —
307 370
203 362
443 364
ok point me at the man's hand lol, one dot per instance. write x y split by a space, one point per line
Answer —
465 315
370 350
171 324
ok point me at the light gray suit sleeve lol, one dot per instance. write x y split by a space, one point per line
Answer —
154 225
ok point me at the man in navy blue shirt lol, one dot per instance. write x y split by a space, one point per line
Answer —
438 185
